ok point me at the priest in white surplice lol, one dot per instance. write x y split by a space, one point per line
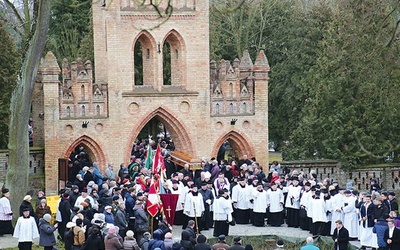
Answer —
293 203
337 212
259 205
194 206
222 213
318 214
305 202
241 202
275 199
350 214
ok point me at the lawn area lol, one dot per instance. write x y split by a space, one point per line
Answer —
275 156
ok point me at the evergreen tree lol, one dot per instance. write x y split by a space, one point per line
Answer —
9 65
71 32
352 112
294 46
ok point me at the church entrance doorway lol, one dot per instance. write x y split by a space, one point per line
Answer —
154 132
233 146
82 152
162 126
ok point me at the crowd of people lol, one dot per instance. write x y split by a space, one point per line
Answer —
107 209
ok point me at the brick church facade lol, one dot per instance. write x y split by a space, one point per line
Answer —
204 104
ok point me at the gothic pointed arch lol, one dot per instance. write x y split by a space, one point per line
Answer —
144 59
92 148
174 54
177 129
239 142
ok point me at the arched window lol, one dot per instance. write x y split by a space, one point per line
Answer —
68 111
167 64
231 89
244 107
138 62
217 108
230 108
144 60
83 110
173 59
83 92
98 110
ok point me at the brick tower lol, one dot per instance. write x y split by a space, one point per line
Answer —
202 104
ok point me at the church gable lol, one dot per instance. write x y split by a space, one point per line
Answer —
233 87
79 96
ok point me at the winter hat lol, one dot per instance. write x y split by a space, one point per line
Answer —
27 198
147 235
47 217
111 230
129 233
99 216
70 225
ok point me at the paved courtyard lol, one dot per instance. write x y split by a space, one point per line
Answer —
242 230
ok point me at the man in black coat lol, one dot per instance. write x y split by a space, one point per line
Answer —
188 236
392 236
394 206
202 243
65 211
237 244
380 209
208 199
169 166
340 236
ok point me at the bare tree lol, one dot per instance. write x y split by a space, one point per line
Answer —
36 24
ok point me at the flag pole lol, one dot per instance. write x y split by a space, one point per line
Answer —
195 218
152 226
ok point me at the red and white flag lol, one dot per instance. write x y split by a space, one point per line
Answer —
153 201
158 162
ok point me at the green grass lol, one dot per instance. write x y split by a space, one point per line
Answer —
59 246
275 156
258 242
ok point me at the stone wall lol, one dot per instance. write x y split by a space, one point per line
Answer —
387 175
36 169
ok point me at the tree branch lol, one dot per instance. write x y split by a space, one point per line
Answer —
394 32
15 11
233 9
371 154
